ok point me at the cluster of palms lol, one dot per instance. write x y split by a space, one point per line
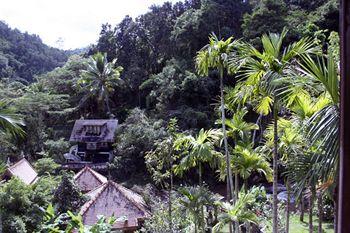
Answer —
296 87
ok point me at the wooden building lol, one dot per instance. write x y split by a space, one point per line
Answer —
23 171
94 140
112 199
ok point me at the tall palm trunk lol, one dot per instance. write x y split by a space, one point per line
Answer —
247 224
223 119
236 186
311 207
275 168
288 205
227 156
256 130
302 209
108 108
170 191
200 181
320 211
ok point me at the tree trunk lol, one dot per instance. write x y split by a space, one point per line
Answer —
107 106
223 119
320 211
170 200
202 220
335 203
227 156
287 206
247 225
200 174
256 130
236 186
311 206
275 167
302 209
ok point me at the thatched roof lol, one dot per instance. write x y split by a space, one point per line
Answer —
112 199
104 130
87 179
22 170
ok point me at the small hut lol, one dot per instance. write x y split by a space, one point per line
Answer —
112 199
22 170
87 179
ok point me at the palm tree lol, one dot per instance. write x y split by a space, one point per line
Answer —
323 125
290 144
100 78
160 162
239 130
197 150
263 74
320 167
10 122
248 160
238 212
193 199
215 55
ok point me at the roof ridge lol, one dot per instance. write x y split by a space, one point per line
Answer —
80 173
118 187
93 200
96 175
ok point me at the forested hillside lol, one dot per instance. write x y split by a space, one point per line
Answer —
153 75
22 56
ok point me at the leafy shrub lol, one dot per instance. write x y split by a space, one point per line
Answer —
46 165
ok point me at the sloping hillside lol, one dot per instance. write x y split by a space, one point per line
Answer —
23 55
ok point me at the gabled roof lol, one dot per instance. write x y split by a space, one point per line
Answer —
107 134
23 170
112 199
87 179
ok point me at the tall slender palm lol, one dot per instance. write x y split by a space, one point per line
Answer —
324 124
215 56
239 130
10 122
160 162
100 78
321 164
263 74
290 144
197 150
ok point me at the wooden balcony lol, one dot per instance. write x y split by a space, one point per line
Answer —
81 165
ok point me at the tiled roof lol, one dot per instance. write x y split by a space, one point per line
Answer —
107 134
87 179
112 199
24 171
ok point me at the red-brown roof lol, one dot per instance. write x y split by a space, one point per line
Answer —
87 179
24 171
112 199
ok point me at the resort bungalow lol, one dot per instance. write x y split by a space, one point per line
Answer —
112 199
22 170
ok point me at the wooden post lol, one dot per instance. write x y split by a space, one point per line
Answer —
344 165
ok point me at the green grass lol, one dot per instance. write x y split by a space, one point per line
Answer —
302 227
